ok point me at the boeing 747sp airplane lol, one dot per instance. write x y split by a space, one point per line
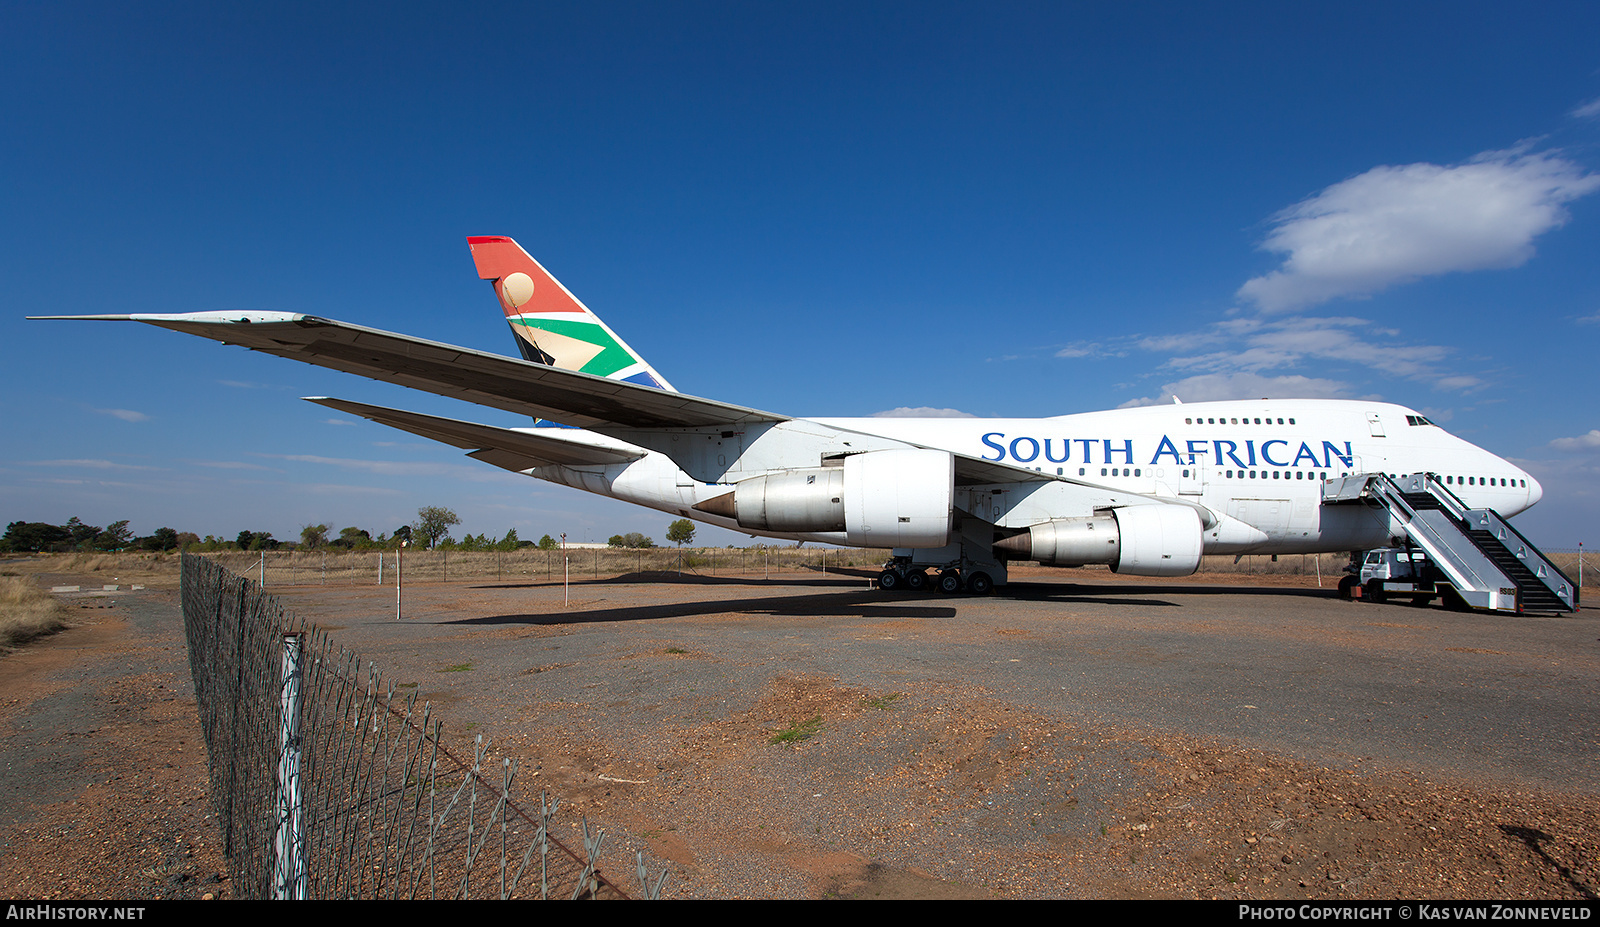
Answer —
1145 490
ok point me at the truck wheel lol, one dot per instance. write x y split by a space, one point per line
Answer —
1375 591
1347 587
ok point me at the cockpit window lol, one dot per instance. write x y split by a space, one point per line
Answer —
1417 420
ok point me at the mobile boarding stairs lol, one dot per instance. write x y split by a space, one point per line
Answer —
1489 564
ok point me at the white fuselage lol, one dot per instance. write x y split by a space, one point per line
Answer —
1257 465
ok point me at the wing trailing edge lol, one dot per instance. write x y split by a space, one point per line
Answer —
504 447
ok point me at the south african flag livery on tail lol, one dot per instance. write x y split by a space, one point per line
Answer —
552 326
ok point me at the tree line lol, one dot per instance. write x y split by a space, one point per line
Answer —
430 530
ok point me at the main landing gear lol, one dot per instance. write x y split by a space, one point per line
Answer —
950 582
967 564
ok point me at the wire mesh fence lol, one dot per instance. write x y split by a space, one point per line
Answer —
328 786
359 567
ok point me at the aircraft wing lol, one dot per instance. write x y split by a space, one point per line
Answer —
975 471
519 386
511 449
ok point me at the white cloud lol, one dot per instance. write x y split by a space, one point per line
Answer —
1394 224
1588 110
922 412
1581 442
1257 345
90 464
1212 386
1089 349
127 415
474 473
227 465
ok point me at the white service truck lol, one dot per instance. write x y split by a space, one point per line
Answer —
1393 572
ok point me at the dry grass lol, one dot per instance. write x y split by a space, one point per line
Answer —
127 567
26 612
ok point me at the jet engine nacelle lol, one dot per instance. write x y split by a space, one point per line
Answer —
899 498
1139 540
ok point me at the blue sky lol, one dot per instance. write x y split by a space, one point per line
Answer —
823 209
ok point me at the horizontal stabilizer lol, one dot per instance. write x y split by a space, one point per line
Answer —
503 447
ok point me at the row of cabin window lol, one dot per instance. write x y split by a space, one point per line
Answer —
1300 475
1484 481
1477 481
1104 471
1225 421
1137 471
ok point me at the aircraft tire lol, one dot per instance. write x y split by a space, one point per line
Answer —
917 581
891 581
980 584
950 582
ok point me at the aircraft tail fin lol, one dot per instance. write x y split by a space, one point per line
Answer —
552 326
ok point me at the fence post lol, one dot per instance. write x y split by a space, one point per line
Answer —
289 864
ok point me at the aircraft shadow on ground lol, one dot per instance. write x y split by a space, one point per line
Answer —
843 604
848 600
835 579
1088 593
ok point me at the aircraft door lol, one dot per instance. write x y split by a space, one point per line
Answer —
1192 475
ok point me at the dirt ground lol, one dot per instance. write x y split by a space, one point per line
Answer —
759 744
